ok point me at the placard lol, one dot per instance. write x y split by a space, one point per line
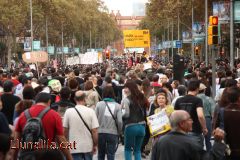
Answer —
32 66
187 37
36 45
136 38
237 11
89 58
27 44
158 123
222 10
73 60
198 29
35 56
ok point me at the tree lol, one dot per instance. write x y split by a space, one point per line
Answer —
75 17
160 12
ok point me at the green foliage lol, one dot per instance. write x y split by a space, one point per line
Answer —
76 17
161 12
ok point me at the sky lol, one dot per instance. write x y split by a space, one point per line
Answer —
125 6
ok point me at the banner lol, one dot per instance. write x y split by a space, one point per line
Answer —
59 50
51 50
136 38
73 60
27 44
65 50
158 123
89 58
187 37
36 45
198 29
167 44
136 50
76 50
237 10
222 10
35 56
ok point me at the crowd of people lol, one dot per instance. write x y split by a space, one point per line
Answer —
83 110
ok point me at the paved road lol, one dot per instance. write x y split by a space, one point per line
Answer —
120 154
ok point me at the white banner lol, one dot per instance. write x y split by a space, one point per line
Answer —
73 60
89 58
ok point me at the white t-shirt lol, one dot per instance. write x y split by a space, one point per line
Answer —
78 132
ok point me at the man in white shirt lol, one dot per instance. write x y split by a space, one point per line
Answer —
76 131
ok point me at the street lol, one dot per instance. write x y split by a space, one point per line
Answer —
120 154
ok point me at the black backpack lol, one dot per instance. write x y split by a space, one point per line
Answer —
33 130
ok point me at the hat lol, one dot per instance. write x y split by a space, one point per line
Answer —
202 87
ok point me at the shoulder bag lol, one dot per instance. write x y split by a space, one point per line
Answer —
83 121
115 123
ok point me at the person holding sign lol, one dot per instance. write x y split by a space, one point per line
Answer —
177 145
160 111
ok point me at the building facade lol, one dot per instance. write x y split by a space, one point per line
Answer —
124 23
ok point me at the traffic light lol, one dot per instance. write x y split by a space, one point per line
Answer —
197 50
107 54
213 30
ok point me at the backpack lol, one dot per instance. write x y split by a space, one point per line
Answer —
33 130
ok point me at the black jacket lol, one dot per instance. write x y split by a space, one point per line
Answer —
176 146
137 114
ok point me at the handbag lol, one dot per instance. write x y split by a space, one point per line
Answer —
115 124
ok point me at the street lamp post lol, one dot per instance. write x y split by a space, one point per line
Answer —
90 37
62 44
172 40
31 19
206 33
231 36
192 54
168 38
47 38
178 24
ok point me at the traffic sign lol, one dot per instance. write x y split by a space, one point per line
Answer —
178 44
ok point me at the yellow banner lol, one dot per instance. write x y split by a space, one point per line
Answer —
136 38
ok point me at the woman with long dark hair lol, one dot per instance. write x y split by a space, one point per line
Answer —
135 106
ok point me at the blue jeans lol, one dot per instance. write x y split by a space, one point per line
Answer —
107 145
208 136
133 138
82 156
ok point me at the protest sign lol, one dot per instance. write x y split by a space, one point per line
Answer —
89 58
73 60
158 123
